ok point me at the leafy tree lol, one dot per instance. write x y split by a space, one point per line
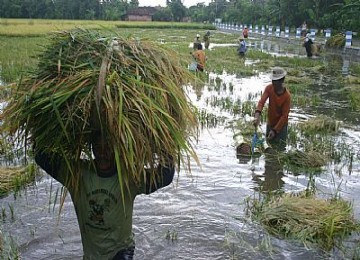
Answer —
199 13
133 4
177 9
164 15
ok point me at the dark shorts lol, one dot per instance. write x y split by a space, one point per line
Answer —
279 141
125 254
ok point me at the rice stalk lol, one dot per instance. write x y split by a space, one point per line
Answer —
311 159
320 124
308 219
129 90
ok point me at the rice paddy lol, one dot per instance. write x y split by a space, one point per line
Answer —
316 142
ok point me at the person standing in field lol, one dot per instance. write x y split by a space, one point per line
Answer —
196 42
200 58
308 45
242 47
278 112
104 215
207 40
303 29
245 32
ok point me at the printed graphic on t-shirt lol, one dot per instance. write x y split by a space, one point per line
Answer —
97 210
101 202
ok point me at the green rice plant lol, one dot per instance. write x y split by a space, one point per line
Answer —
355 69
9 248
354 96
236 109
40 27
171 235
17 55
248 107
242 127
298 62
3 213
128 89
208 120
15 178
232 64
164 25
12 215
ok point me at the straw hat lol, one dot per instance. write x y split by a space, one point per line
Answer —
197 35
277 73
241 38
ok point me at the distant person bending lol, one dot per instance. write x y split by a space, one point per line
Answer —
278 111
308 45
200 58
242 47
105 220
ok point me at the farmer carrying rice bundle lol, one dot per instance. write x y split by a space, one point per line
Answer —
108 119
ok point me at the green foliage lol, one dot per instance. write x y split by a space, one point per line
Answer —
333 14
17 55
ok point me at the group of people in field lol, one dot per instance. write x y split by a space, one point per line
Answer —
310 47
200 57
199 53
106 221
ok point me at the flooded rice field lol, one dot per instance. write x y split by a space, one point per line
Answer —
203 214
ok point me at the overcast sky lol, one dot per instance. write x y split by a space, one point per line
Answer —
187 3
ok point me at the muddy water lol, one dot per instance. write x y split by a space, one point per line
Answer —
201 216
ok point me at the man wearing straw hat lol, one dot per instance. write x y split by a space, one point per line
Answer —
197 41
278 111
104 215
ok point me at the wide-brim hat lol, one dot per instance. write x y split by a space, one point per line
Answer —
277 73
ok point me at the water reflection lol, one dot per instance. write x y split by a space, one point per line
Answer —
271 180
345 67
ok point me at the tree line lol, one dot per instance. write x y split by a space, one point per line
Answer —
335 14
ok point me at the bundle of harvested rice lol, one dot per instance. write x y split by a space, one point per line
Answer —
336 41
323 124
308 219
309 159
127 89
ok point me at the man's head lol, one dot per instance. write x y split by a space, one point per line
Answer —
103 153
197 35
278 76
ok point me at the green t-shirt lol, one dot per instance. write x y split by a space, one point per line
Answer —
105 220
103 217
